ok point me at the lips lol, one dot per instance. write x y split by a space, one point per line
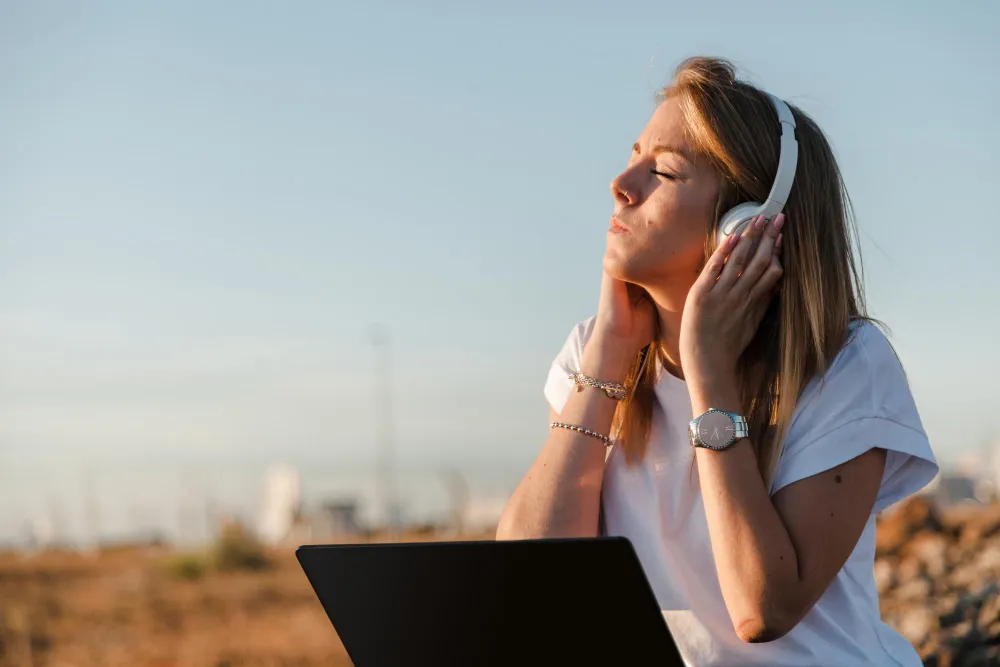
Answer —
617 226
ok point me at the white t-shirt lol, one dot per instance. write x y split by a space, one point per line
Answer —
863 402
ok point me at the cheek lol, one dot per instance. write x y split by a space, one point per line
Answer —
697 209
679 221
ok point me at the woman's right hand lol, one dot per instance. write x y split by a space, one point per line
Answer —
623 326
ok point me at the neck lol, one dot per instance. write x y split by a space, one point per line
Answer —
669 299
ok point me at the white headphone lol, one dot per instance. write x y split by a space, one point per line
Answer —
735 218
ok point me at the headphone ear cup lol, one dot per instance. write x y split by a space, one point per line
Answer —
735 218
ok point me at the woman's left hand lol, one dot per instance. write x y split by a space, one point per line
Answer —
728 300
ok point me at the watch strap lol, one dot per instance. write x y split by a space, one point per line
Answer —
740 425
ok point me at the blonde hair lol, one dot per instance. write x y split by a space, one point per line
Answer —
734 125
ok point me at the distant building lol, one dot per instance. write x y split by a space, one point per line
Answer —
338 517
955 488
280 504
995 467
950 488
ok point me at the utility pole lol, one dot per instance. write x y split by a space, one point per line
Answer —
384 429
92 541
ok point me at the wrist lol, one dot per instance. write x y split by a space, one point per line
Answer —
713 389
707 371
607 359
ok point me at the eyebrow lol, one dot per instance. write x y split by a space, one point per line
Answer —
663 148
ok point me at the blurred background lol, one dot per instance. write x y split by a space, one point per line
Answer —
277 273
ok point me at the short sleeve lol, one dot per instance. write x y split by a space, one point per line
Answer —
558 385
862 402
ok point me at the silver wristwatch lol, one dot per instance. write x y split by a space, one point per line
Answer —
717 429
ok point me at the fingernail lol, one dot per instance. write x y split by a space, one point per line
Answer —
733 238
779 221
758 223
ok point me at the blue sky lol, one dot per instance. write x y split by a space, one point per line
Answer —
204 206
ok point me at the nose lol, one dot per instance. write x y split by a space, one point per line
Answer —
624 193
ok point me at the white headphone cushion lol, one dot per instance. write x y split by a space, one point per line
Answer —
732 218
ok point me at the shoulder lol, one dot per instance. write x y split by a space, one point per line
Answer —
567 360
582 330
865 377
862 401
871 347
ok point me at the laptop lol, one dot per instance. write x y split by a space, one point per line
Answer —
566 601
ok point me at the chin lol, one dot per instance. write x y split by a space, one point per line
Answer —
623 266
646 269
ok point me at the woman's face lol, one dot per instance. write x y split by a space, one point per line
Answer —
664 203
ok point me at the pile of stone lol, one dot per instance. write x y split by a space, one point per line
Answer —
938 575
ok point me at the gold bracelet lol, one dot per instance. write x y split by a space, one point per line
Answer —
586 431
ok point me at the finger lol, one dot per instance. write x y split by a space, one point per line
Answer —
777 260
614 292
766 286
716 262
737 261
761 258
636 294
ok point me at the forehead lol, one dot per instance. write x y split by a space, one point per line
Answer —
666 127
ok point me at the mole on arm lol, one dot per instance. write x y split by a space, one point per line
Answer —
838 479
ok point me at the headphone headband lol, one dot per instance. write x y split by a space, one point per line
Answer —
788 158
734 219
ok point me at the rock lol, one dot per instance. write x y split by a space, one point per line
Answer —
955 518
981 656
930 550
945 602
934 655
918 624
989 559
938 577
908 570
959 632
912 516
885 574
953 617
971 604
989 615
965 577
917 589
980 525
969 650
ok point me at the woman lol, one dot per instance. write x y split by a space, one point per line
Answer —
768 326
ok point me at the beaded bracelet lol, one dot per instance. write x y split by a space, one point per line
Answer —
611 389
586 431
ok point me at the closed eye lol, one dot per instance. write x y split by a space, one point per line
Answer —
664 174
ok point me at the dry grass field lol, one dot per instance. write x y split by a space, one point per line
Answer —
238 605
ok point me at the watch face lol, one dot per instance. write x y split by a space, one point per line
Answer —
716 429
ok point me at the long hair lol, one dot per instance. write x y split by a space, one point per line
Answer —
735 126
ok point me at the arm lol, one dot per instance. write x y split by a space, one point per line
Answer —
560 494
776 557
